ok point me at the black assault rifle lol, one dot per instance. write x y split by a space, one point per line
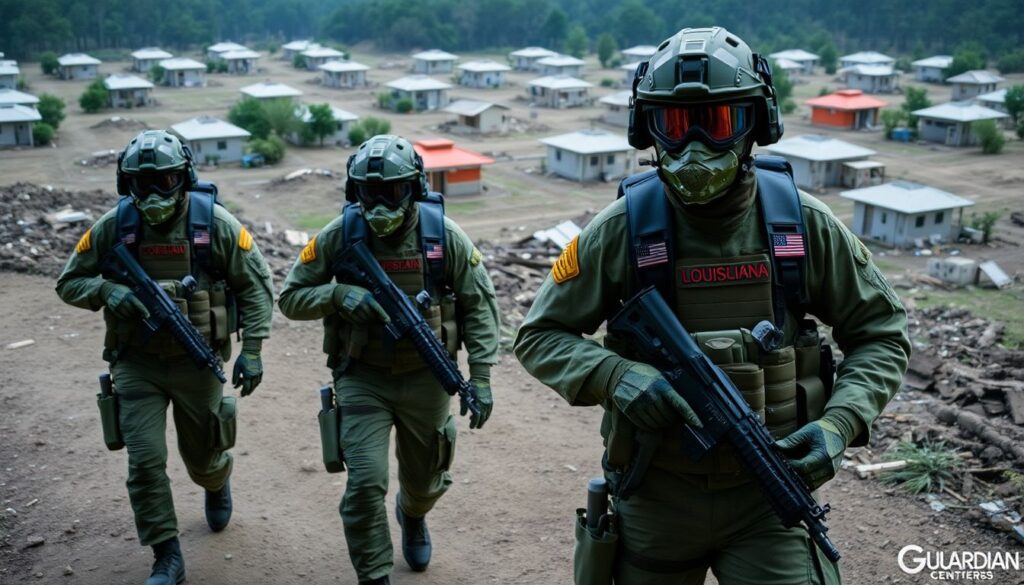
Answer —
163 312
652 329
358 266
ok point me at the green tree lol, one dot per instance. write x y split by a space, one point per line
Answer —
577 42
51 108
280 115
892 119
990 136
914 98
356 135
48 62
272 148
94 98
321 121
918 52
555 28
967 57
783 84
1012 62
985 222
374 126
299 61
156 73
248 113
42 133
829 58
606 47
1015 103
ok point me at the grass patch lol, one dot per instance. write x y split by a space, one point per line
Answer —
998 305
930 466
313 221
463 206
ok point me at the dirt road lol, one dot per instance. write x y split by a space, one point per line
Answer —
506 520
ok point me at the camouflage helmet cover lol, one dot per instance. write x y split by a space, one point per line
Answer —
385 158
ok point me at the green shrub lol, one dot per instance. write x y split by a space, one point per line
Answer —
607 82
272 148
403 106
299 61
48 62
990 136
95 97
374 126
51 108
222 66
384 100
984 222
42 133
356 135
156 74
788 106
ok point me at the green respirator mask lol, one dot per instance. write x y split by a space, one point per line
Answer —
384 221
156 209
698 174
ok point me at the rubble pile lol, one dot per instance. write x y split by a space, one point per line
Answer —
121 123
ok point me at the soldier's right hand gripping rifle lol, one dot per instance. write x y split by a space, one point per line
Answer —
358 266
163 312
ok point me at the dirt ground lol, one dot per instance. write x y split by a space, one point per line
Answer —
508 518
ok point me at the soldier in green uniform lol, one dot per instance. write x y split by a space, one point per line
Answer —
175 231
702 101
381 383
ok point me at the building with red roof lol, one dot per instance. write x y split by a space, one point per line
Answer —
846 108
450 169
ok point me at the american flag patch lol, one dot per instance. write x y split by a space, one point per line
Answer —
651 254
201 238
435 252
788 245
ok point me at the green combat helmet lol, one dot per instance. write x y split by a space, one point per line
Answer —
385 175
156 170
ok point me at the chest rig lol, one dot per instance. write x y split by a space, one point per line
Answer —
421 268
167 258
720 300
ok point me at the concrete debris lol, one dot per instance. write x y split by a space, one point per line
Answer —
19 345
34 541
121 123
296 238
560 235
302 173
995 274
100 158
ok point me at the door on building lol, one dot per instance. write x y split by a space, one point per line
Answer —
869 218
437 182
952 135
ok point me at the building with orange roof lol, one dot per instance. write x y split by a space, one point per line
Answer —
450 169
846 108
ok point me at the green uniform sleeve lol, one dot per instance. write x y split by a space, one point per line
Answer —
79 284
246 272
474 294
308 290
848 292
551 343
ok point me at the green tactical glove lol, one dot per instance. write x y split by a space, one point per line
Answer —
356 305
815 451
649 401
480 378
122 301
248 372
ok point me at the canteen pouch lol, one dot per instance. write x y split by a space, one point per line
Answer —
593 560
106 400
223 424
330 439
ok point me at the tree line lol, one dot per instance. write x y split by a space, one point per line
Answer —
902 27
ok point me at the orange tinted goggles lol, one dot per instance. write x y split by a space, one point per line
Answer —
719 125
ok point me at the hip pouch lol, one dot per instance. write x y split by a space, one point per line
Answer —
223 424
106 400
593 560
329 419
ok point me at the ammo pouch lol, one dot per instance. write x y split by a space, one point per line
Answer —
106 400
815 369
451 335
593 560
223 424
330 439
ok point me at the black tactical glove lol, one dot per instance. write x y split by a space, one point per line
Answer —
649 401
248 372
356 305
122 301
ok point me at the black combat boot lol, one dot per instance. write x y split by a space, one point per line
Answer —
416 546
218 507
169 567
385 580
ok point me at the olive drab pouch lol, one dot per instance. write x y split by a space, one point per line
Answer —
450 335
219 326
329 419
446 445
199 312
593 560
811 394
106 399
780 391
223 424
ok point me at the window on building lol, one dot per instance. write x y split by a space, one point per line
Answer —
939 217
610 160
594 160
558 154
919 221
885 217
222 145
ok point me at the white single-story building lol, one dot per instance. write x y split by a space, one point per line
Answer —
862 173
343 120
343 74
970 84
996 100
317 56
216 51
525 59
560 65
628 73
589 155
900 212
144 59
806 61
289 50
871 78
559 91
13 97
932 69
183 72
128 91
241 62
9 73
451 170
638 53
616 108
270 90
16 125
950 123
433 61
865 58
77 66
482 74
476 117
212 141
792 68
425 92
818 160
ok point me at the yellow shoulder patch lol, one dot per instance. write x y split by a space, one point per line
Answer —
245 239
309 252
475 257
568 265
85 242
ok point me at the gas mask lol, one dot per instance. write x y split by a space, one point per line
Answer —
156 208
699 174
384 220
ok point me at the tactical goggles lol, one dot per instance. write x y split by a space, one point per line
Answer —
391 194
163 184
718 125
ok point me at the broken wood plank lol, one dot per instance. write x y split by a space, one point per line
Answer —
863 471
